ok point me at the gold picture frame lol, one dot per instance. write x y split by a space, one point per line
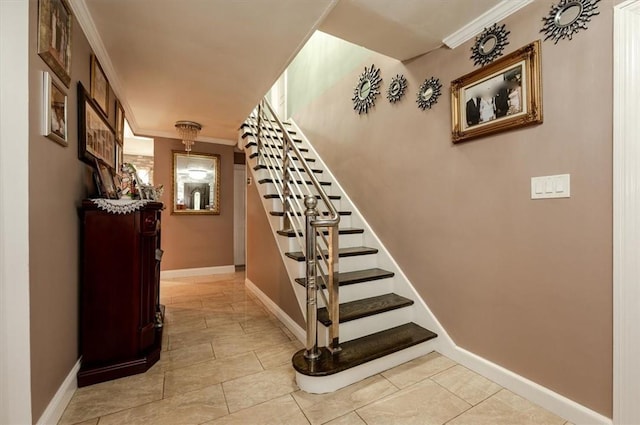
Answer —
119 123
195 184
54 110
54 37
99 86
504 95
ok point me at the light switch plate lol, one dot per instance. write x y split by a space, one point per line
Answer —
545 187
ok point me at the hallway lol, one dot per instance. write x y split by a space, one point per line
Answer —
226 360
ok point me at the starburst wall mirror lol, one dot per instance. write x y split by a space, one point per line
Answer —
367 89
567 18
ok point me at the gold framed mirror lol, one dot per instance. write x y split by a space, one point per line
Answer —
196 183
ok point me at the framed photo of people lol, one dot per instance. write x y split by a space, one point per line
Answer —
54 37
96 138
501 96
99 86
54 110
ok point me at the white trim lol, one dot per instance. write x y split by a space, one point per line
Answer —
490 17
544 397
295 328
61 399
626 210
15 346
201 271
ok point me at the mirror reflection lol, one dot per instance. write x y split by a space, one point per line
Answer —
426 95
488 44
568 14
196 183
364 90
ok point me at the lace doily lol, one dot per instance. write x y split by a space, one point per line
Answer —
120 206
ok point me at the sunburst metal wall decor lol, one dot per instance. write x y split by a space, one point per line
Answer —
396 88
567 18
489 44
367 89
429 93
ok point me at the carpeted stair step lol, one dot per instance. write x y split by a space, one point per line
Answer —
342 252
365 307
363 350
359 276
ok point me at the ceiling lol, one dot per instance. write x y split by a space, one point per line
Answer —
210 61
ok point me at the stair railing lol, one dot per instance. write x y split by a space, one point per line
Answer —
285 165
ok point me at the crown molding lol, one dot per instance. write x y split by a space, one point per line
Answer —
490 17
82 14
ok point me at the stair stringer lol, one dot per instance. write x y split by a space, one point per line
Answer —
421 313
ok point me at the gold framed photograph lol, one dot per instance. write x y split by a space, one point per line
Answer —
99 86
54 37
501 96
54 111
119 123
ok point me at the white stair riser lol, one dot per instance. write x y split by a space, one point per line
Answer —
330 383
273 188
345 241
346 264
372 288
276 204
368 325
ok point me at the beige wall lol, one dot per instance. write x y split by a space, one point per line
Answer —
195 241
57 183
525 284
264 263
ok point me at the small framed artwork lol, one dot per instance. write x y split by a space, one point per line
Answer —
96 138
54 37
504 95
119 123
99 86
54 111
105 176
119 159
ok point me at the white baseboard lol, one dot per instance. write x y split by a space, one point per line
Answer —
201 271
60 400
295 328
544 397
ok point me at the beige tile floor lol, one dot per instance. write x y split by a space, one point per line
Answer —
227 360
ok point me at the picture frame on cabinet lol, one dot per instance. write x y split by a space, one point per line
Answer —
99 86
96 138
504 95
54 37
107 183
54 110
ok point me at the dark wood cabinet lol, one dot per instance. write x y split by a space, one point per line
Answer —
120 318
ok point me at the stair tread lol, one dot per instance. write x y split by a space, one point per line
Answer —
342 231
281 213
250 144
365 307
253 155
264 167
359 276
269 180
363 350
249 132
276 196
342 252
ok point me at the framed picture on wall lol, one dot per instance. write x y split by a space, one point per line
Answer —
503 95
96 138
108 185
54 37
99 86
54 110
119 123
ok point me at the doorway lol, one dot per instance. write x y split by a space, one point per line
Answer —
239 214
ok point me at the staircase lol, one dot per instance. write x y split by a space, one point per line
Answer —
362 319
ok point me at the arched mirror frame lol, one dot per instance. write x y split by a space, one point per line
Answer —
180 205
